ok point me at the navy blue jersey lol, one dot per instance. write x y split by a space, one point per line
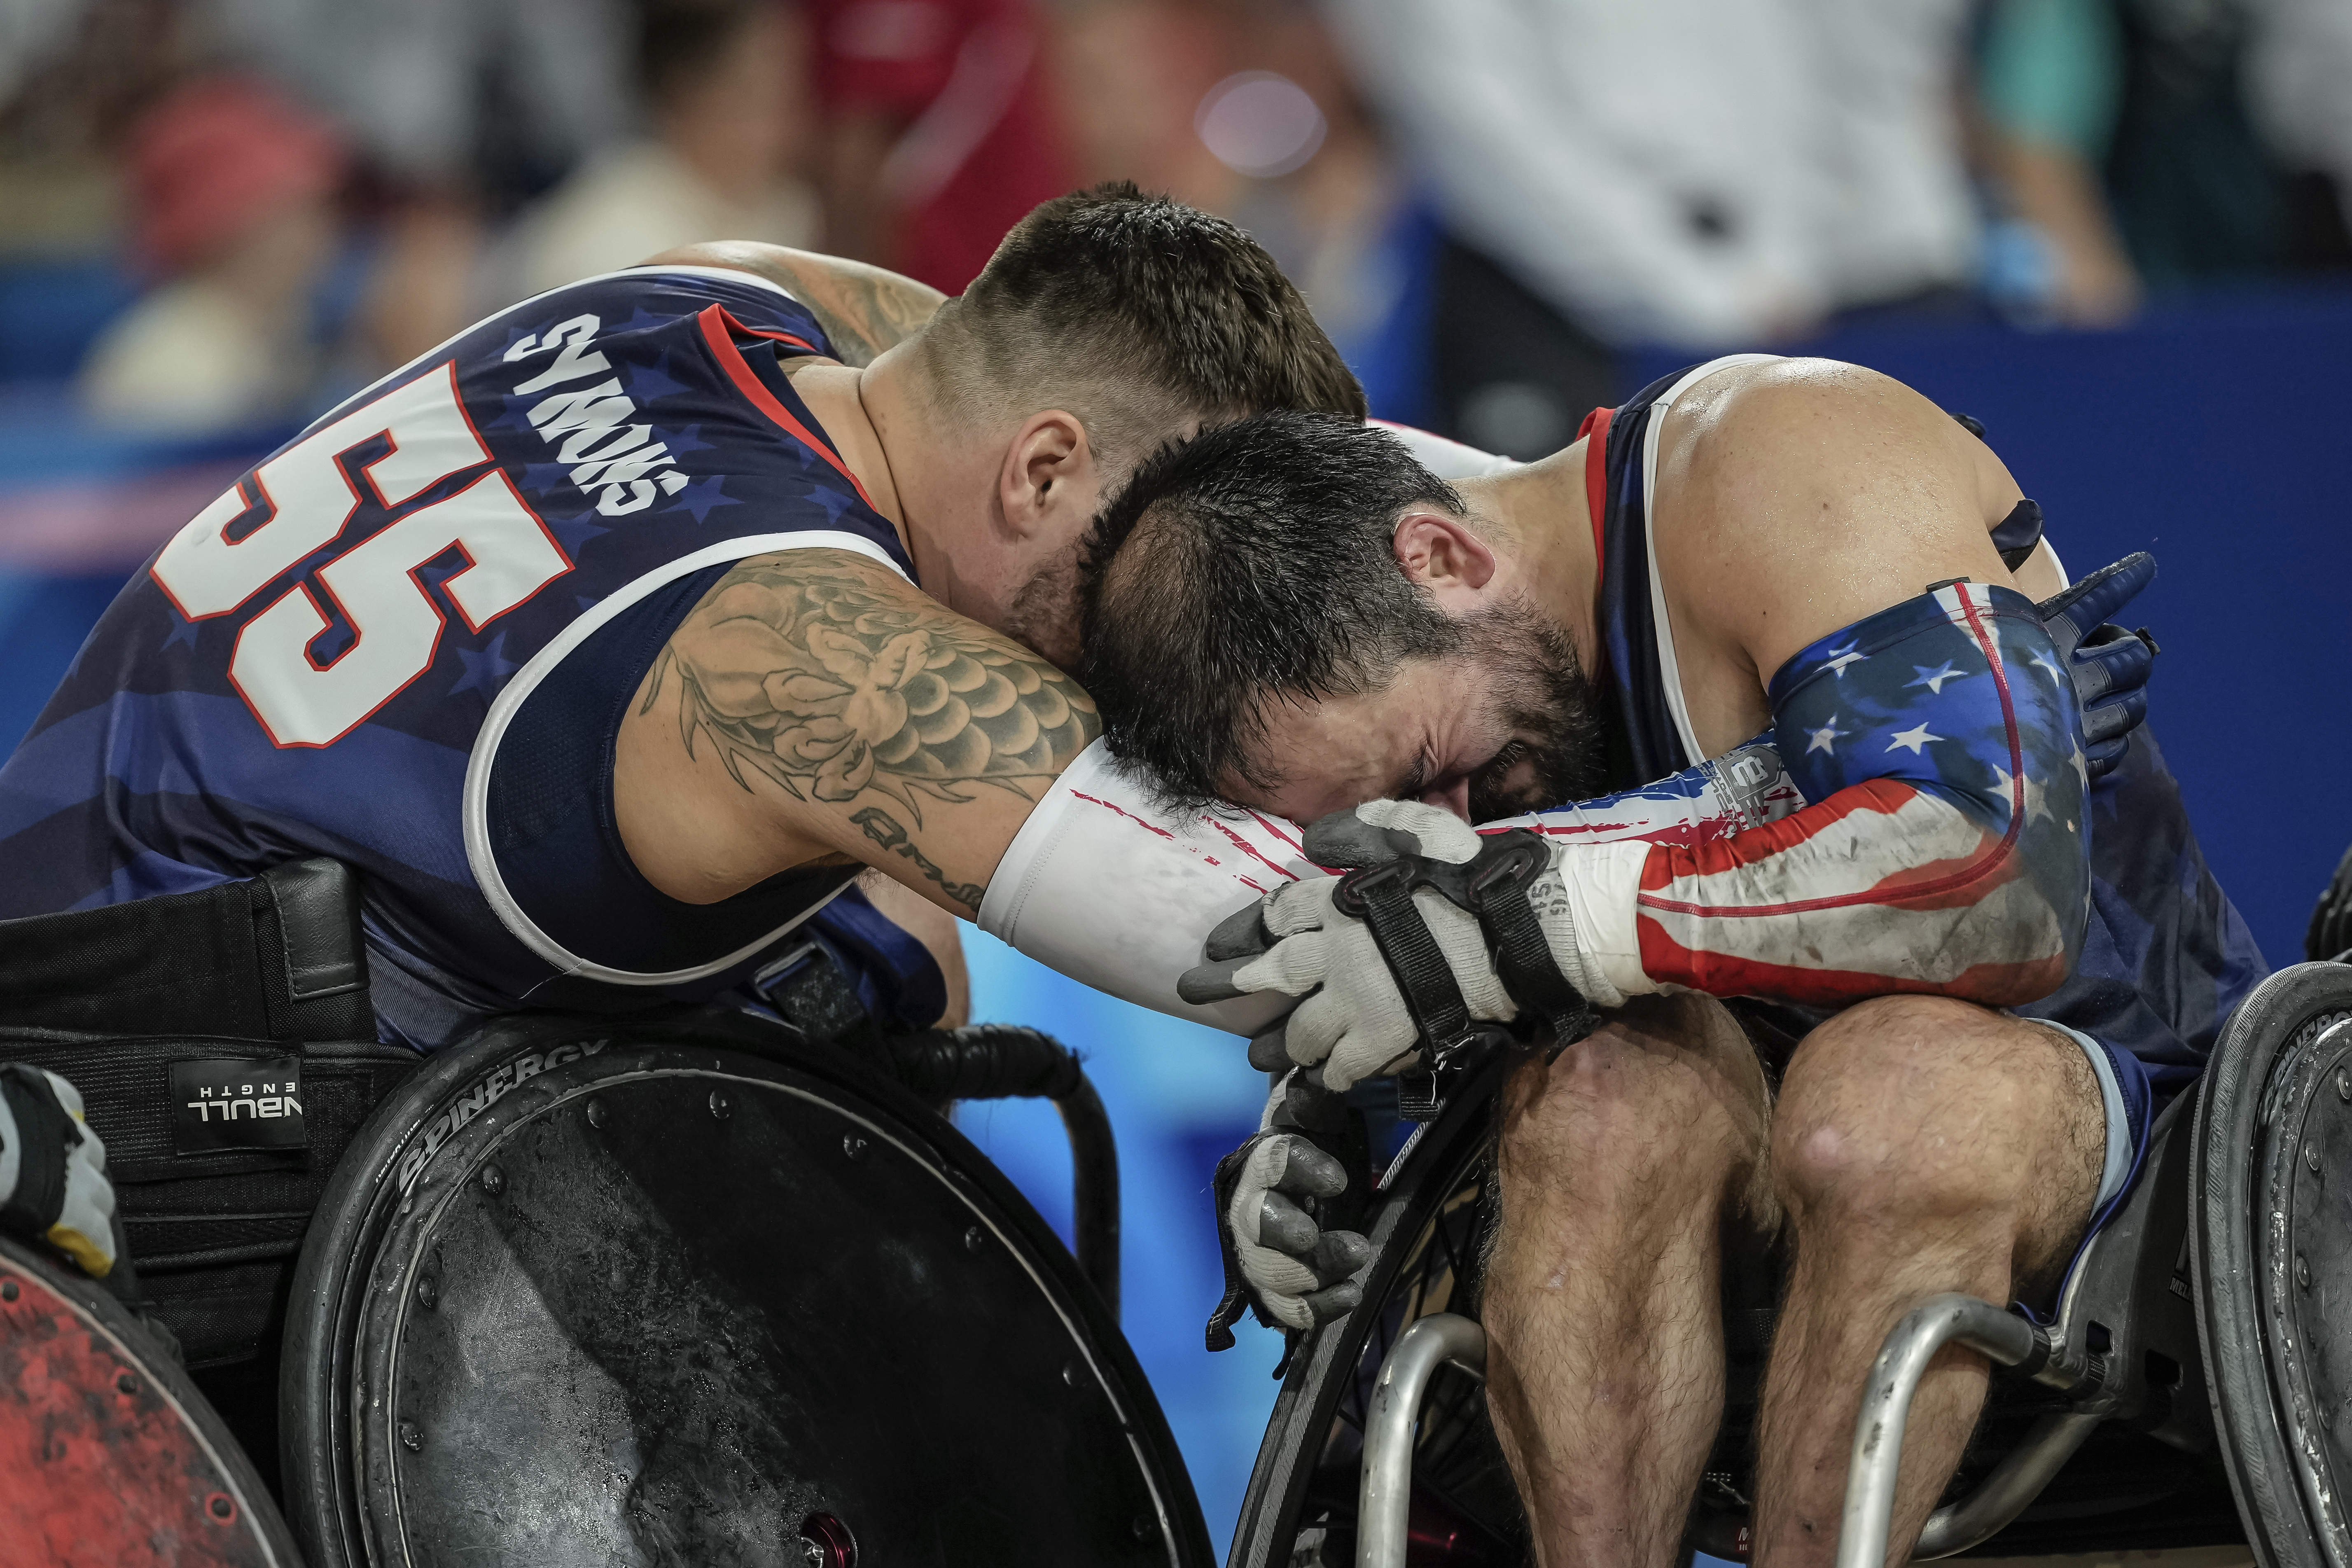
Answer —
405 639
2165 958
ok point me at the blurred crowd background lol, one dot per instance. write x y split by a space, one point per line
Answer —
2115 229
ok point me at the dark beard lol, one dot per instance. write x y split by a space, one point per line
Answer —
1541 691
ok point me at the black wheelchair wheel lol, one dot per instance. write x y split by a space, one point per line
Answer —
1428 1228
690 1292
2271 1239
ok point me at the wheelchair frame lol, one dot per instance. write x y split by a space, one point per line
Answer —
2162 1299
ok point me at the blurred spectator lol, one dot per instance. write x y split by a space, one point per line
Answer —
2177 142
2050 82
233 188
725 86
1706 174
941 131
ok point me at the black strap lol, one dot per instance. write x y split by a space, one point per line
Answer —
44 1132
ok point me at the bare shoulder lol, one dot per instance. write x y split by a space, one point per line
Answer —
1798 496
865 310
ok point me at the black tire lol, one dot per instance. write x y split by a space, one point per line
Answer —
345 1381
2269 1244
1427 1228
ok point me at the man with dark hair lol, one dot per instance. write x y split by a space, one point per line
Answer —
613 639
1789 592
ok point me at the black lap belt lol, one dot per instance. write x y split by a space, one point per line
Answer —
226 1052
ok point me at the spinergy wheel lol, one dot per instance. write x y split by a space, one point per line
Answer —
2271 1237
691 1293
1427 1230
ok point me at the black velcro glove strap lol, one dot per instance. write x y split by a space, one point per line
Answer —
1381 897
44 1132
1506 867
1492 886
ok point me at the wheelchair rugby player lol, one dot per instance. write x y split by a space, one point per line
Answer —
1896 958
654 644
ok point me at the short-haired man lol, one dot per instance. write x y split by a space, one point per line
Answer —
612 639
1789 592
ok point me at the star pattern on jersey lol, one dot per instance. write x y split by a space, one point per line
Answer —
1933 680
834 501
2037 801
1826 738
684 440
1914 740
2082 764
650 383
183 631
701 497
573 532
1841 657
487 667
2044 661
516 407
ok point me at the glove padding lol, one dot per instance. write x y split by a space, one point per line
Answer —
1456 932
1355 1024
2108 665
1272 1193
53 1185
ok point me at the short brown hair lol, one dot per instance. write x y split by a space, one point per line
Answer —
1136 312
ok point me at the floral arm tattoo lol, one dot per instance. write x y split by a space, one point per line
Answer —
803 669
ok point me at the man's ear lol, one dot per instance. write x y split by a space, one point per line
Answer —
1441 553
1047 454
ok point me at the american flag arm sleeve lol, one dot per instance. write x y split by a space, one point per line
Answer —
1945 849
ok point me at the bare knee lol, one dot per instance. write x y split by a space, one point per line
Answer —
1910 1109
1664 1093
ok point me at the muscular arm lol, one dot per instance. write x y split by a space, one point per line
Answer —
864 310
816 708
1801 511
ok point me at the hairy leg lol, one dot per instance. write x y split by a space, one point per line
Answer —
1920 1145
1604 1339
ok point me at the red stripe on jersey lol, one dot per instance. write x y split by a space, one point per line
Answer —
1721 975
1596 478
718 330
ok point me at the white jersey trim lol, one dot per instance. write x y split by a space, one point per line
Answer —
475 810
1669 670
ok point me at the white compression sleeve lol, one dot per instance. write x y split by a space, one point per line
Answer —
1447 459
1111 889
1114 890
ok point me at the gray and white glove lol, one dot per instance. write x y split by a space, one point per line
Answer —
1280 1264
53 1185
1494 922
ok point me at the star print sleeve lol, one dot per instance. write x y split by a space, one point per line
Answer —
1945 849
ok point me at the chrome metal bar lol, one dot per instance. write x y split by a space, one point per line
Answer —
1387 1495
2016 1481
1894 1376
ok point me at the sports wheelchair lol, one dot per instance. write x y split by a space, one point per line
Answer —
692 1288
2192 1388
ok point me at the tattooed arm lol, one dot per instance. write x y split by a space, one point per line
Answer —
864 310
816 708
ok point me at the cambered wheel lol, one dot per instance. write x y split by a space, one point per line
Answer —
2270 1235
693 1293
1428 1228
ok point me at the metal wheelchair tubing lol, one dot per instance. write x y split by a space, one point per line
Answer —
1894 1376
1386 1499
